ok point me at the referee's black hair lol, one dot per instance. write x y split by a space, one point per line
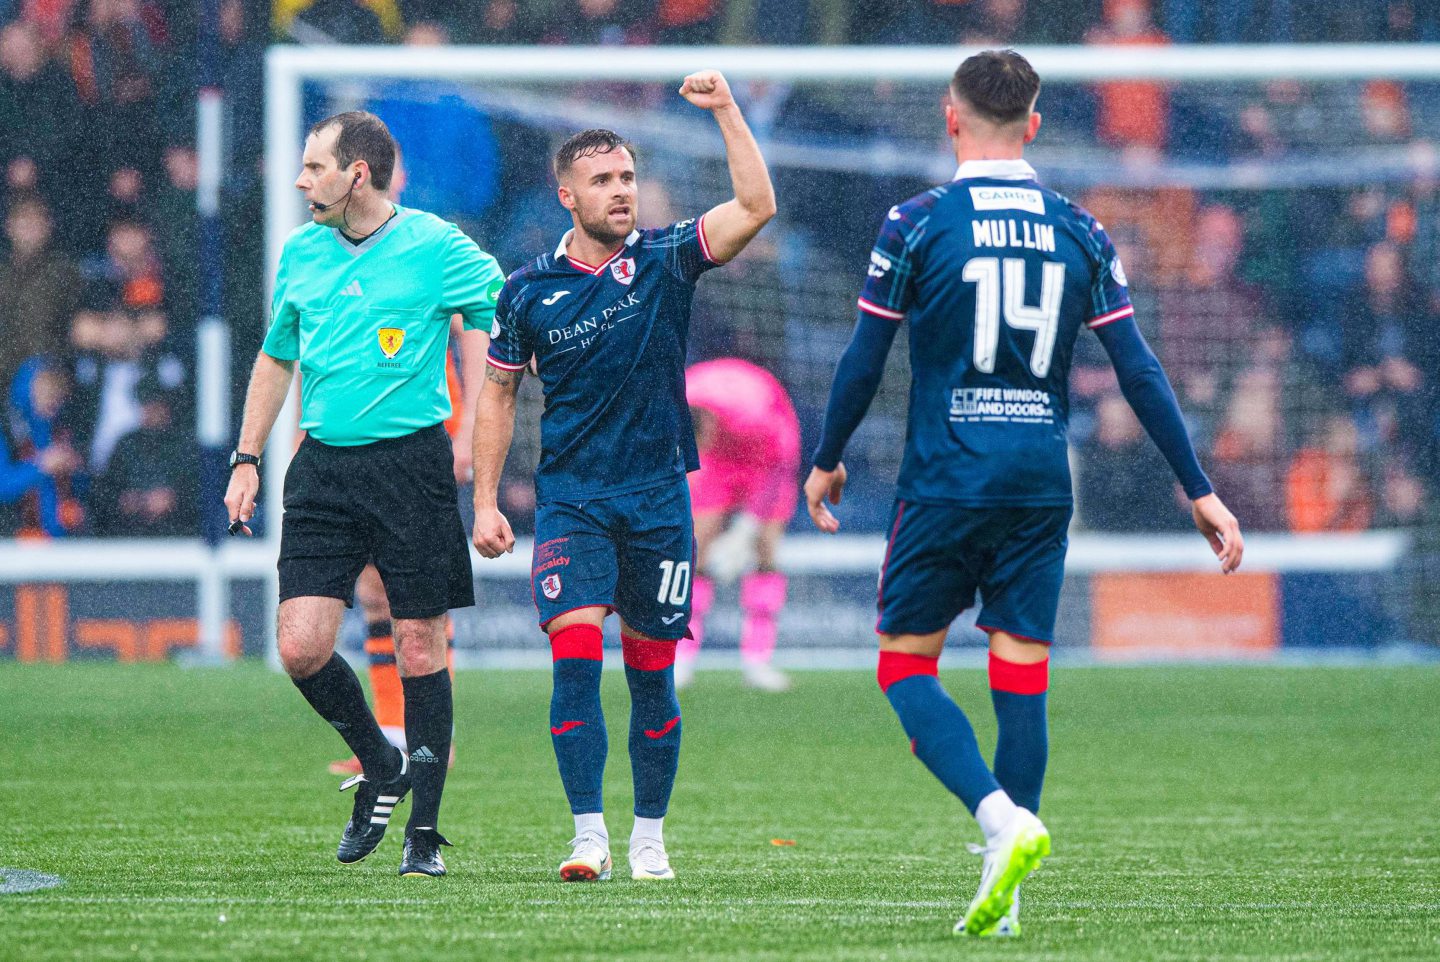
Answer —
585 144
1000 84
363 136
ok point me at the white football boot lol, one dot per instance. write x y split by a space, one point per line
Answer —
684 672
764 676
648 861
589 859
1009 858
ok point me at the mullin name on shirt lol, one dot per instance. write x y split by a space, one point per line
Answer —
1008 232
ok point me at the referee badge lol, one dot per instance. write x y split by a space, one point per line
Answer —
550 584
391 340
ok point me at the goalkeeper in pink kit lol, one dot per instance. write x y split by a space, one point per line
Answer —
749 440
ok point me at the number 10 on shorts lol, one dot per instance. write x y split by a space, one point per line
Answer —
674 582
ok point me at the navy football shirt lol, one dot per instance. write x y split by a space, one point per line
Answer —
995 276
610 343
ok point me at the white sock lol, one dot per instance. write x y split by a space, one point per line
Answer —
994 813
592 822
395 735
648 828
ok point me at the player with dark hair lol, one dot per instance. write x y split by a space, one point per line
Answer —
606 318
994 275
363 301
464 362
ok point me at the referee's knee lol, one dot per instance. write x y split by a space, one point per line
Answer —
300 658
420 646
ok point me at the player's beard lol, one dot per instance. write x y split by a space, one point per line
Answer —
604 231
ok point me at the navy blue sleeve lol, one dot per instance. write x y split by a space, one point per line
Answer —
857 378
1147 389
510 344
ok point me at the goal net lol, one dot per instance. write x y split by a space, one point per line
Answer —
1276 211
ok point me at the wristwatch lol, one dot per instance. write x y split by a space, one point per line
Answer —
237 457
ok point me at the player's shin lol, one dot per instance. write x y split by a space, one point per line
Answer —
1023 747
385 689
654 723
940 734
762 595
577 723
335 693
429 722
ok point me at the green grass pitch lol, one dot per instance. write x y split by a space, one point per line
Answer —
1197 813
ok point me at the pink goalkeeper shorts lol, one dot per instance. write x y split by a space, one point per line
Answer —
769 493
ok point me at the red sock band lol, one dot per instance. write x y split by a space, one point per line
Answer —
1031 679
577 641
897 666
645 655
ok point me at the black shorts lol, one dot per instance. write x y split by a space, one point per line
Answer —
393 503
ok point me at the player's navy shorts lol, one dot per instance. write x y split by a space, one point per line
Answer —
939 555
392 502
633 553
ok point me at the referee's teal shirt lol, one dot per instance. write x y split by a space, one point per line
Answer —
370 323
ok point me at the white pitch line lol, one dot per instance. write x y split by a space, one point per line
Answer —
13 881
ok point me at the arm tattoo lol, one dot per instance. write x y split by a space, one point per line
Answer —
510 379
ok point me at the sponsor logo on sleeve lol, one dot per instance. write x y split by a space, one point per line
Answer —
1008 198
879 264
1118 272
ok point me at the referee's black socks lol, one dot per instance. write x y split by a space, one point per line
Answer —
429 720
335 693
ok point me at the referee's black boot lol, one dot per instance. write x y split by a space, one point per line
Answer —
374 804
422 853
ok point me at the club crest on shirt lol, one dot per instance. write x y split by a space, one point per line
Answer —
391 340
623 270
550 585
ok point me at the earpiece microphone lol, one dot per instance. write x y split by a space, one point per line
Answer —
320 208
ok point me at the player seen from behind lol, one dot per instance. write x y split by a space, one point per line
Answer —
994 276
607 318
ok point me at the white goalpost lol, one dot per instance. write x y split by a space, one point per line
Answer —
531 83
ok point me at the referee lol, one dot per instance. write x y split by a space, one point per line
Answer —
363 301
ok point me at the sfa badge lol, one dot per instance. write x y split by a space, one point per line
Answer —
391 340
550 585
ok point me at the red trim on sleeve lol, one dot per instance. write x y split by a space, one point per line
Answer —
1114 315
704 242
577 641
879 311
643 654
1019 679
504 366
897 666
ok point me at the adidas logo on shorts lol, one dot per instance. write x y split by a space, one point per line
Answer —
423 754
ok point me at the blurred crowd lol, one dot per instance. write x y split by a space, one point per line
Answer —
853 21
1301 326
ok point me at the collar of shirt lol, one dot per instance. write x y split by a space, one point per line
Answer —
565 242
993 170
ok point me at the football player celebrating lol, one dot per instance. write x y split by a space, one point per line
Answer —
606 316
